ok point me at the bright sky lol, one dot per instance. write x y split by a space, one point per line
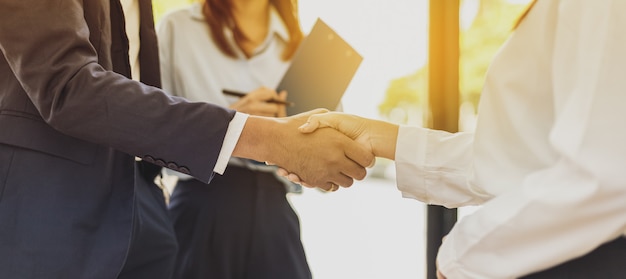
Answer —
390 35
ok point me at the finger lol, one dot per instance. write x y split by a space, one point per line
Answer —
294 178
262 94
282 172
282 96
332 187
308 114
255 106
342 180
282 109
354 171
264 108
318 121
240 104
359 154
372 164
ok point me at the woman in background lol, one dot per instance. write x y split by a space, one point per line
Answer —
241 225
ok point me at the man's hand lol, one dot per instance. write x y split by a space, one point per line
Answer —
325 159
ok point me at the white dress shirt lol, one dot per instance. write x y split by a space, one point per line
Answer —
548 158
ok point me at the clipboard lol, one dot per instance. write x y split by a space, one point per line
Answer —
320 71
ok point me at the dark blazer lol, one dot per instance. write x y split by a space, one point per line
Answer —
70 128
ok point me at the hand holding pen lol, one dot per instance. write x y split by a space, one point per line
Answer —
262 101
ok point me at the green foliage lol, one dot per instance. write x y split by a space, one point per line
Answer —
479 43
405 93
161 7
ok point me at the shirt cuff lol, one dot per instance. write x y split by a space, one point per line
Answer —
235 127
410 159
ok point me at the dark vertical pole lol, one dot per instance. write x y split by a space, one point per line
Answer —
443 87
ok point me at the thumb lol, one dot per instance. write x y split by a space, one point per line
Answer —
317 121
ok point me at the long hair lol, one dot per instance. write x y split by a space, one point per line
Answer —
218 15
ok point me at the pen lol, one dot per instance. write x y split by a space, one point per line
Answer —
240 94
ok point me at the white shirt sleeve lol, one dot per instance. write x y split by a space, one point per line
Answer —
571 207
230 141
235 127
433 167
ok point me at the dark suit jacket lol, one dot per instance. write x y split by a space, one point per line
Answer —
70 128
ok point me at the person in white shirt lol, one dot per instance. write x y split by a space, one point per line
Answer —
546 162
241 225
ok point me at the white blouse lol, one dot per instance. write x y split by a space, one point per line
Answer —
548 158
187 52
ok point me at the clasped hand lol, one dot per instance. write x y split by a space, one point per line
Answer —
338 125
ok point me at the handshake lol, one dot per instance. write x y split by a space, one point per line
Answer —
320 149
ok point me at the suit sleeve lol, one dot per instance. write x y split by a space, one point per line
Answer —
46 44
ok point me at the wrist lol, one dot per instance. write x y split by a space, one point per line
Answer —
254 139
383 137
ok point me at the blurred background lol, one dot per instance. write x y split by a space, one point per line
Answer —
369 230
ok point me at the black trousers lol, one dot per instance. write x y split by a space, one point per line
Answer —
607 261
153 246
240 226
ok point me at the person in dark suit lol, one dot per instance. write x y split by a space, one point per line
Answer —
73 203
